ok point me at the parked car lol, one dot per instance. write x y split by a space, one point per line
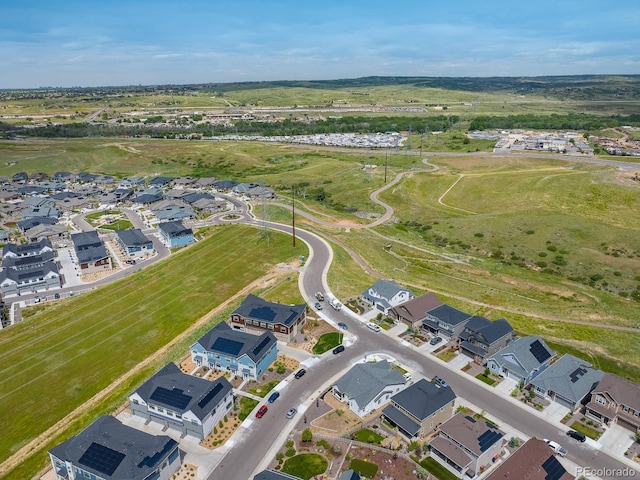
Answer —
343 325
261 411
318 306
36 299
438 381
373 326
130 262
577 435
320 297
56 296
435 340
291 413
556 447
338 349
300 373
273 397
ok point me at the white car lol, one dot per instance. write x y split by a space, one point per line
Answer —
556 447
373 326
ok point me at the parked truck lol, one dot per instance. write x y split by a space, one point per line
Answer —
335 303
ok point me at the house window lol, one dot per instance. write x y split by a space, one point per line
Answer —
194 422
135 401
270 326
625 408
263 324
601 400
431 425
178 415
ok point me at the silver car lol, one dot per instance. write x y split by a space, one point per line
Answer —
292 413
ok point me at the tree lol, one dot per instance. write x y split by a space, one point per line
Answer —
307 436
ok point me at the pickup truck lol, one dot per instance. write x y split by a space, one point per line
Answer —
335 303
556 447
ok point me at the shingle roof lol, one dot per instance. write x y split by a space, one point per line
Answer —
274 475
570 377
622 391
258 309
485 331
449 315
386 289
476 435
86 240
29 248
201 396
364 382
92 254
233 343
416 309
518 356
133 237
174 229
423 398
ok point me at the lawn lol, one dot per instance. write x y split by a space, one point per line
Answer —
368 436
447 355
327 342
71 344
117 225
586 429
246 407
483 378
305 465
437 470
262 390
364 468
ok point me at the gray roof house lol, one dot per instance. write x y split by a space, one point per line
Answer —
445 321
28 280
414 311
134 243
385 294
522 359
91 252
368 386
173 213
24 225
482 338
37 233
27 250
190 404
256 314
349 475
175 234
274 475
466 445
31 212
568 381
419 409
109 450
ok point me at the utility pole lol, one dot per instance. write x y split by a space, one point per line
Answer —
386 161
293 213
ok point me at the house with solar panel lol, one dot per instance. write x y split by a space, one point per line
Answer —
177 400
522 359
385 294
244 354
534 460
419 409
257 315
568 382
134 243
109 450
467 446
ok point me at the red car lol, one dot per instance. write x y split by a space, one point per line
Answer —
261 411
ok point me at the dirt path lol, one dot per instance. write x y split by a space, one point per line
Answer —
42 439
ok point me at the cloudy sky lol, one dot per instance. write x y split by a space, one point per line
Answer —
117 42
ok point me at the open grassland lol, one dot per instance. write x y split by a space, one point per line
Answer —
64 355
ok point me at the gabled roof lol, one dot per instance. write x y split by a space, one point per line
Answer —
423 399
147 198
160 181
23 263
274 475
523 355
349 475
570 377
449 315
32 274
182 392
485 331
364 382
174 229
91 254
256 308
476 435
234 344
45 231
133 237
225 184
111 450
85 240
416 309
386 289
532 461
26 249
622 391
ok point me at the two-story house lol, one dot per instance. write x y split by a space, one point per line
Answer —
481 338
522 359
615 400
91 253
445 321
385 294
257 315
109 450
174 234
224 349
190 404
414 311
134 243
417 410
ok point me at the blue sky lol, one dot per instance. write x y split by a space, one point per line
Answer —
115 42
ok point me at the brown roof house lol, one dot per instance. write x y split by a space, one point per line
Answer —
615 400
532 461
467 446
415 310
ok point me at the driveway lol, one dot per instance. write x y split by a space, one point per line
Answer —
616 439
555 411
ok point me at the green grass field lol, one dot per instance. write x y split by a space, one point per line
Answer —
327 342
305 465
82 345
368 436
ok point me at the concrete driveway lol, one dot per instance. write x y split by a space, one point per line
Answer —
616 439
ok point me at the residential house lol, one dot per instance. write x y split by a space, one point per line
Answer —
414 311
116 196
39 202
53 186
210 205
481 338
27 250
368 386
615 400
50 232
445 321
522 359
86 177
567 382
91 252
109 450
224 185
178 400
24 225
174 213
32 190
244 354
146 198
20 177
134 243
160 181
274 475
417 410
9 195
29 274
131 182
257 315
4 236
205 182
349 475
183 182
385 294
260 192
534 460
63 177
31 212
28 263
174 234
243 188
466 446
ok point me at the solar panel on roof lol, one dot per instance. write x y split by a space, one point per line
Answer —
101 458
538 351
576 374
212 393
554 468
261 345
263 313
155 459
175 398
228 346
487 439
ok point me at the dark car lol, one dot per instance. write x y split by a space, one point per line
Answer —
435 340
300 373
338 349
261 411
577 435
438 381
343 325
318 306
273 397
